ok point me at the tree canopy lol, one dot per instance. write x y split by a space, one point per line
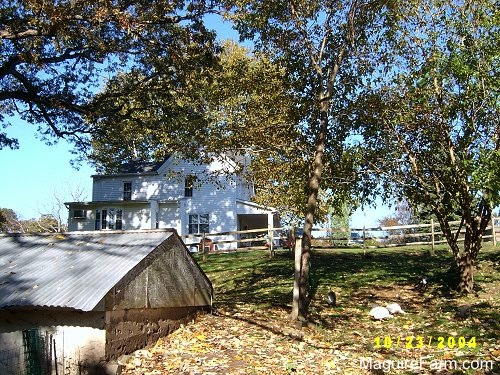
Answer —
224 109
431 126
54 57
242 108
323 46
407 89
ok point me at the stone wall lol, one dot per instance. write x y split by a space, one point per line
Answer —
129 330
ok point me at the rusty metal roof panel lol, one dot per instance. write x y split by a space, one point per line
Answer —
72 270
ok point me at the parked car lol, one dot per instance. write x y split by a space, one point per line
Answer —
355 238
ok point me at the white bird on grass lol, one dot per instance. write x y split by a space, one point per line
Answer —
379 313
394 308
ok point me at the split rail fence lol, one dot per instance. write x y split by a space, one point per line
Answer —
271 238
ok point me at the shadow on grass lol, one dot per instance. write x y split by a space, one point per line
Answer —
252 279
380 268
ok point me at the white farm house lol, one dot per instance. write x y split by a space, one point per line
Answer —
193 199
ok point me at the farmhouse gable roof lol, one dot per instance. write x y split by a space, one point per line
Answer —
138 167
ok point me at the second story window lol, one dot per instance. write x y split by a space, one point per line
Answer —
127 191
188 185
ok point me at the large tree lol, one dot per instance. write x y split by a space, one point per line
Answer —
241 109
321 44
54 56
431 126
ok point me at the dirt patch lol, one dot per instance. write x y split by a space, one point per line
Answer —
234 343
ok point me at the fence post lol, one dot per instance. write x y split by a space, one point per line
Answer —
203 246
270 233
432 237
493 231
271 241
296 292
364 241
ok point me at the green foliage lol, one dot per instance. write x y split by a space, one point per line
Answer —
338 217
55 55
430 126
487 174
9 222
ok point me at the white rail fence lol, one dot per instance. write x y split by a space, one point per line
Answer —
270 238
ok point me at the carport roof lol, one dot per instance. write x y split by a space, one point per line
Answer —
72 270
255 207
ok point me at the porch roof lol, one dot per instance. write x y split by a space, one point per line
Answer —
253 208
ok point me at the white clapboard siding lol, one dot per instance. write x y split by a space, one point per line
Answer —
158 199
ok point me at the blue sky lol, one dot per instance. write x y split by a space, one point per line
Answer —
35 173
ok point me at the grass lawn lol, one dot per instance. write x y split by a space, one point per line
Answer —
253 298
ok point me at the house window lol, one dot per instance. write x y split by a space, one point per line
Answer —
127 191
108 218
188 185
79 214
198 224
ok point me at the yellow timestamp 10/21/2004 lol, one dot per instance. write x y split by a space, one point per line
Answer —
420 342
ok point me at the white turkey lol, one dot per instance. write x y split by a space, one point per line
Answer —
394 308
379 313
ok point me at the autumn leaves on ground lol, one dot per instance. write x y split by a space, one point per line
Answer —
250 332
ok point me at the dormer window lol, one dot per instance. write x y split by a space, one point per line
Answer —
188 185
127 191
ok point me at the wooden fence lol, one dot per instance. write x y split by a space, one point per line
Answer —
254 238
269 238
418 234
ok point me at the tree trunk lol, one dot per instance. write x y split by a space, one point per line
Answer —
475 226
463 259
314 184
466 269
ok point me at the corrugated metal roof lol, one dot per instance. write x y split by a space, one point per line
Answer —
72 270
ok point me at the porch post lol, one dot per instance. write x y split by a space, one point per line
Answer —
154 213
